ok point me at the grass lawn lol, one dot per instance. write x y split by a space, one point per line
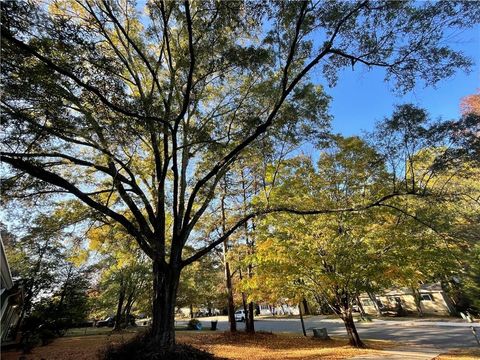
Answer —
241 346
89 331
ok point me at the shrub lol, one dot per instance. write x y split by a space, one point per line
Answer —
46 336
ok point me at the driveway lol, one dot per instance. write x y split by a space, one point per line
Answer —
426 333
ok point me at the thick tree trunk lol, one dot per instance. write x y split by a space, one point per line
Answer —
165 286
353 337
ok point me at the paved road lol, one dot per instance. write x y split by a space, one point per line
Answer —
438 334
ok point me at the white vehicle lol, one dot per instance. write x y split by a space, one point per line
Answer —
240 315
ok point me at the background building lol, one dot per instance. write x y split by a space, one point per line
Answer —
11 299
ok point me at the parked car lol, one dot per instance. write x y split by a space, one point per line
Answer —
108 322
144 322
201 313
240 315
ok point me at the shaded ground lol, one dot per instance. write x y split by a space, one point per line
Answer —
223 345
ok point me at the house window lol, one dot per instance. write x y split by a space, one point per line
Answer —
426 297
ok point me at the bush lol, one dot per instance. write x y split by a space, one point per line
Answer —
36 330
143 348
46 336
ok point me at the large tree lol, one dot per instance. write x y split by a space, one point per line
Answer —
140 114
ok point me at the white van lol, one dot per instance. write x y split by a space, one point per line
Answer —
240 315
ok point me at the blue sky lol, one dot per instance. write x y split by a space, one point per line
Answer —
361 97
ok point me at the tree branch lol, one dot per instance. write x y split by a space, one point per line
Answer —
31 50
134 45
114 174
56 180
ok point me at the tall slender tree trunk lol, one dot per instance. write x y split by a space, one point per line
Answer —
250 315
230 302
250 318
375 304
245 309
228 274
306 308
360 307
324 309
65 288
128 308
28 289
245 304
353 338
343 308
301 319
121 299
418 301
165 286
25 308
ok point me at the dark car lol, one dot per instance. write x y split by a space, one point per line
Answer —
108 322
